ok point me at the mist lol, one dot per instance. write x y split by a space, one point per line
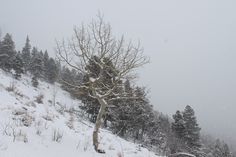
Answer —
191 45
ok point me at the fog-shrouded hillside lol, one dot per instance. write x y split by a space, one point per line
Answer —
183 100
55 106
46 121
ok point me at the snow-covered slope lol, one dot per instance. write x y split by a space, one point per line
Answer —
50 128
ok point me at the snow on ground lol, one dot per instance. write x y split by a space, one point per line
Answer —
50 128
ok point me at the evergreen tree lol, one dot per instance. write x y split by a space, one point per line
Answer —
34 52
221 149
18 65
26 57
36 66
107 76
217 150
127 88
121 112
0 46
35 81
7 52
41 58
2 56
226 151
140 113
192 130
130 116
121 117
178 125
45 57
51 71
66 76
45 64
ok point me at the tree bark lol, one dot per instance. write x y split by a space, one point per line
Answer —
98 123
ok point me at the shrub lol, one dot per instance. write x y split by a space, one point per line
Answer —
39 98
57 135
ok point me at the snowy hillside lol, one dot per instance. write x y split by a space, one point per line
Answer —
50 128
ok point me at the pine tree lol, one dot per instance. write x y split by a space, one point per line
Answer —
140 112
35 81
41 58
131 116
26 57
121 119
217 150
0 45
225 150
7 52
36 66
127 88
18 66
221 149
45 57
51 71
2 56
178 125
121 112
192 130
66 76
45 64
107 77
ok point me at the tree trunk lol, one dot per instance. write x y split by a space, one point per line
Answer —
98 123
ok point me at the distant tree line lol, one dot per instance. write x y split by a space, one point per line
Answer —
28 60
132 118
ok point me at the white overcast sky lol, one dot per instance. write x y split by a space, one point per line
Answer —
191 43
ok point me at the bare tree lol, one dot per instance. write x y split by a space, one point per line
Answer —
95 44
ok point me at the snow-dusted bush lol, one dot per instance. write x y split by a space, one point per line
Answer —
39 98
57 135
19 111
12 87
38 127
22 117
27 120
48 116
70 122
6 129
19 135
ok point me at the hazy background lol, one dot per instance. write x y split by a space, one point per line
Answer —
191 43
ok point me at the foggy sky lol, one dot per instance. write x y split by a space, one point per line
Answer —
191 43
